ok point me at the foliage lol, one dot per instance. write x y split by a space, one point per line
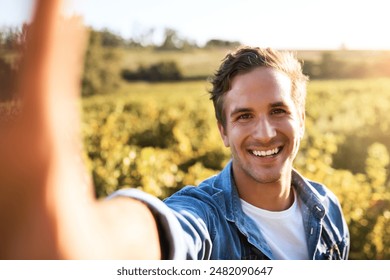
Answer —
144 140
12 37
7 80
11 49
172 41
160 137
346 147
160 71
334 65
217 43
110 39
101 66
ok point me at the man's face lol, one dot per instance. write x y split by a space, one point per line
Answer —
263 126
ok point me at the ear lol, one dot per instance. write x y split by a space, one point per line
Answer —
223 134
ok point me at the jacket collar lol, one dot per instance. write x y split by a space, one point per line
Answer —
227 197
229 200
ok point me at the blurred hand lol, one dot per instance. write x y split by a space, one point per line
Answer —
47 204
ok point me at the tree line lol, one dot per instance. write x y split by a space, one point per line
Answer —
105 51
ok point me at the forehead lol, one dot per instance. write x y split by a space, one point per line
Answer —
260 86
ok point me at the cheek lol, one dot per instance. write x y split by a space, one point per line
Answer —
293 131
236 134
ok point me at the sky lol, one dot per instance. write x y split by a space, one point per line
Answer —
283 24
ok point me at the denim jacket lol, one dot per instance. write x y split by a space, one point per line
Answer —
207 221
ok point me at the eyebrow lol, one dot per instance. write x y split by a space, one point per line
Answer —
240 110
278 104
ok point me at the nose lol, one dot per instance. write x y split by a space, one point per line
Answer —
264 130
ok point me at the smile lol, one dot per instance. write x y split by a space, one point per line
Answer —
266 153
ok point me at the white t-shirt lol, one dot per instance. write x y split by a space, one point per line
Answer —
283 231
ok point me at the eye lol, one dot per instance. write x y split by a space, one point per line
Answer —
278 111
244 117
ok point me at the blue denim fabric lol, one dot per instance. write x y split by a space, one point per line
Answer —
212 224
211 213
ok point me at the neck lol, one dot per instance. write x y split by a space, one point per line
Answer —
275 196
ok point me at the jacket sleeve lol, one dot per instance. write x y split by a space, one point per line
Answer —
182 235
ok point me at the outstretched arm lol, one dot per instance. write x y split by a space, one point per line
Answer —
47 204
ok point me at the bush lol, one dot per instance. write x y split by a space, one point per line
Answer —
7 81
161 71
101 71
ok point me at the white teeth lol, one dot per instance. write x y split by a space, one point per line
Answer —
266 153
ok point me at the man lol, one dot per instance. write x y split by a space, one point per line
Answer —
258 207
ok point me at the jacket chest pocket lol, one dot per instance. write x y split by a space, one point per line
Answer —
330 248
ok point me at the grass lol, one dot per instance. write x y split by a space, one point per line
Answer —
192 63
